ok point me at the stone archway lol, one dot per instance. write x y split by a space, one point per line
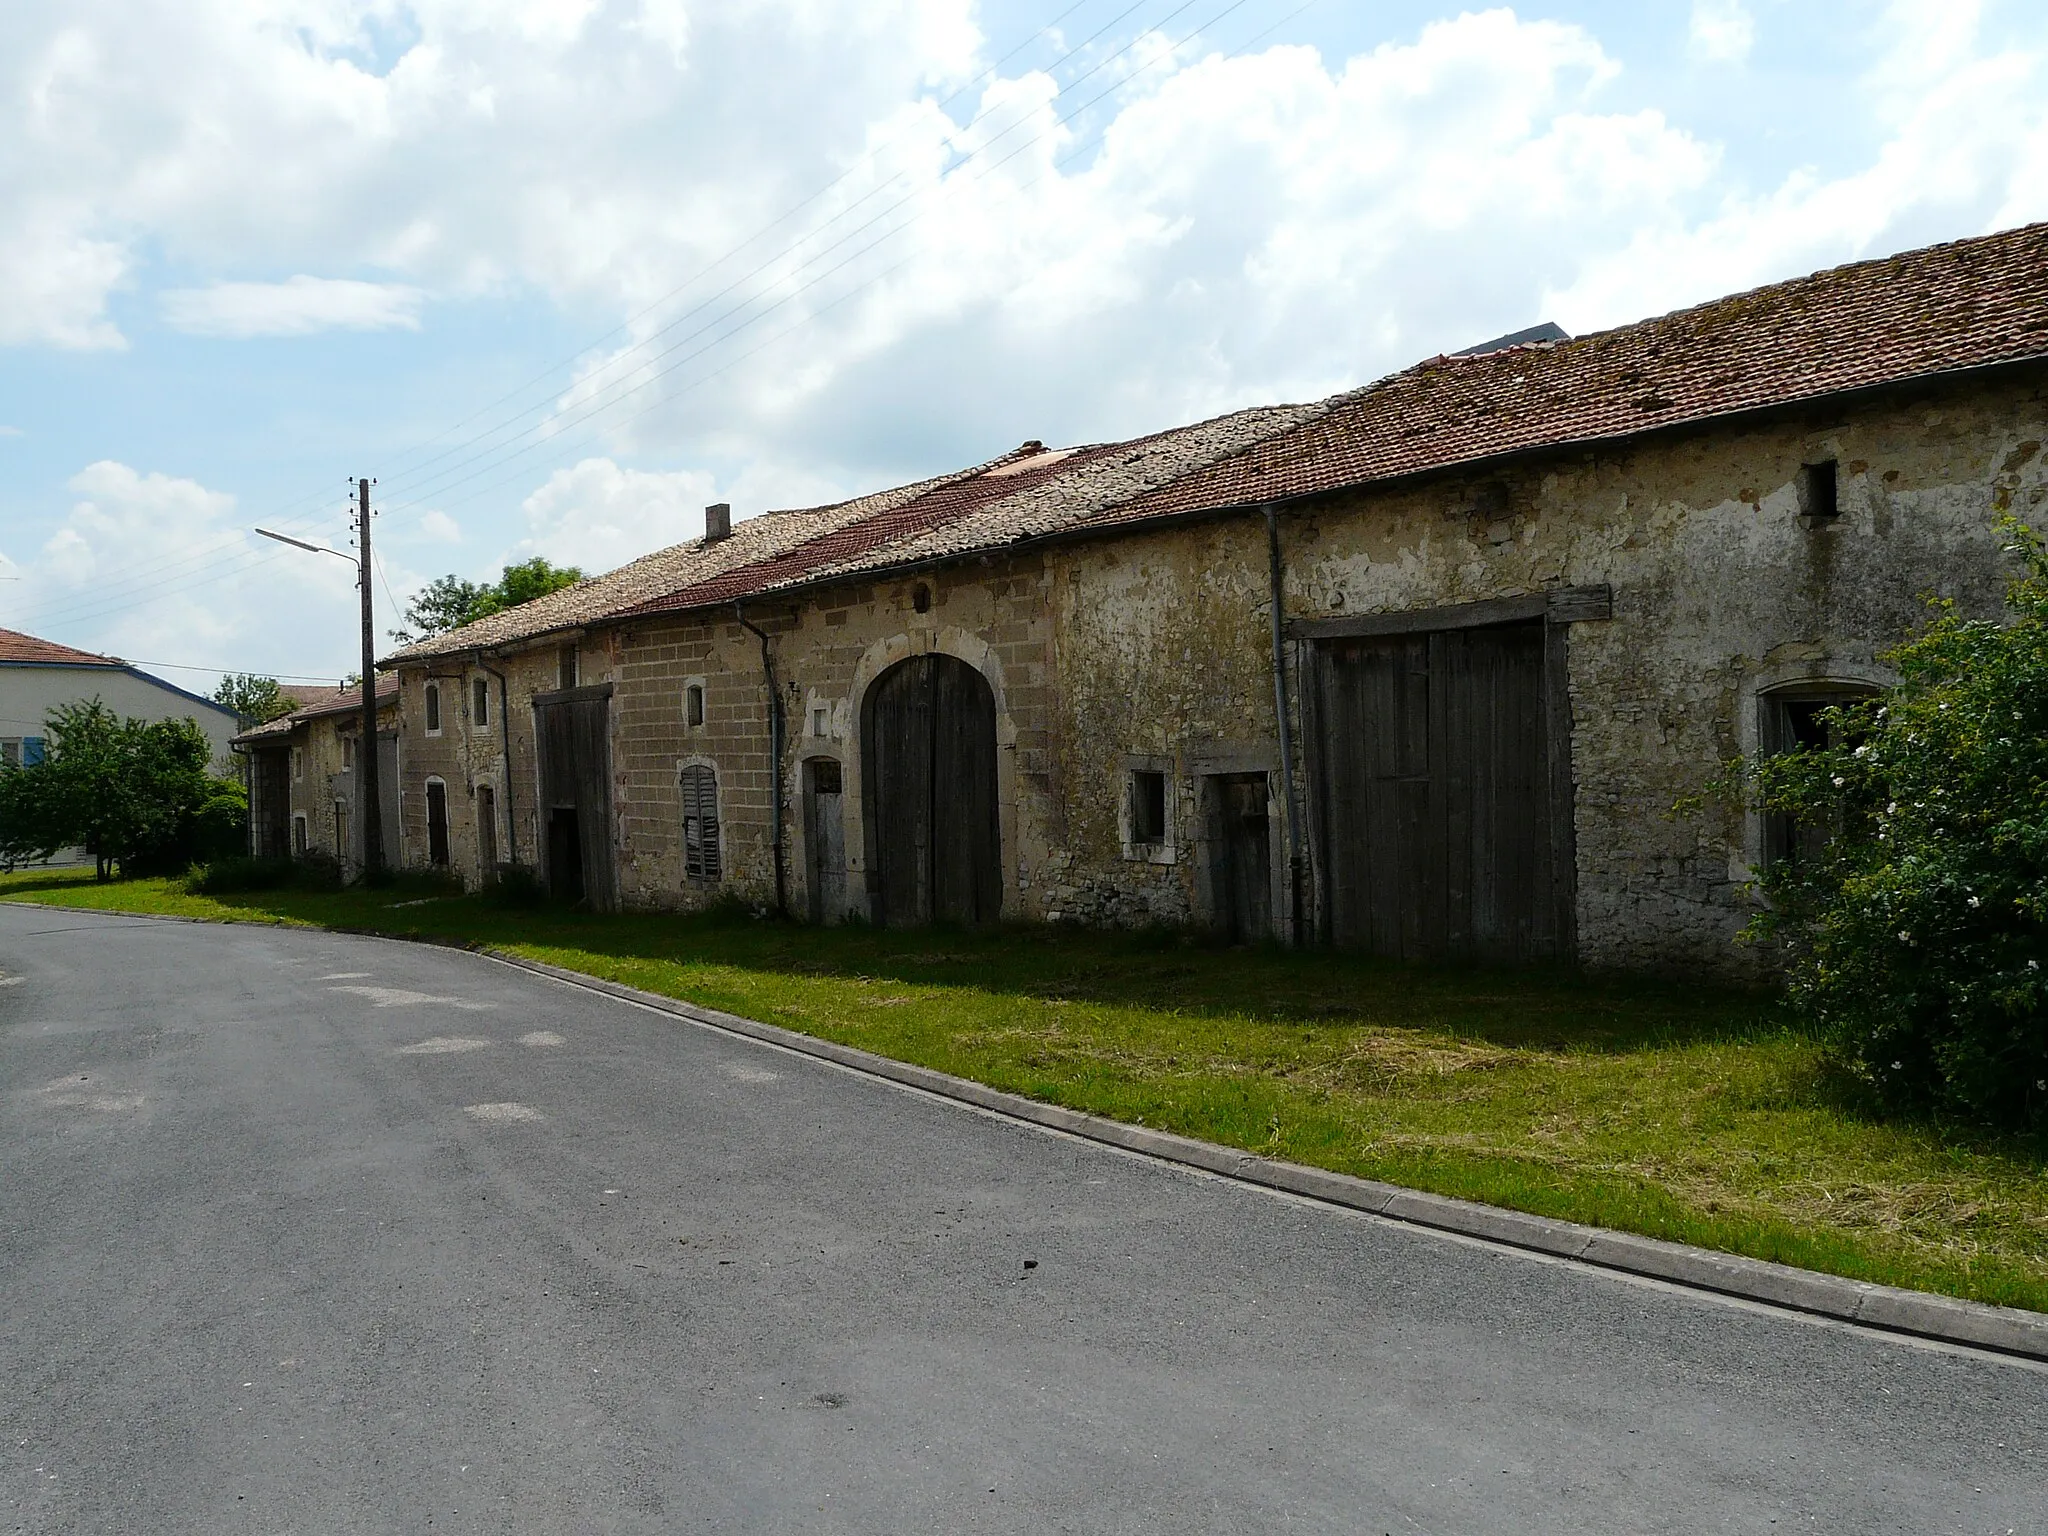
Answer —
929 794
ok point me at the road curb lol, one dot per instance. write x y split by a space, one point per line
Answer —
1944 1319
1978 1325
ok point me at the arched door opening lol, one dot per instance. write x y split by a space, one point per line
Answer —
928 791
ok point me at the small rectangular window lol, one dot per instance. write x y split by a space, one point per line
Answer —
299 836
821 720
298 763
348 753
693 705
1819 498
565 667
10 752
433 709
1148 806
480 702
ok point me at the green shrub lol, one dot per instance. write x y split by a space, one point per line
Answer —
1917 933
424 884
221 877
516 885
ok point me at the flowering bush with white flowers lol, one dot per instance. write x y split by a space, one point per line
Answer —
1917 930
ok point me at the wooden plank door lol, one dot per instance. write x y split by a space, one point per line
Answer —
1435 796
825 840
573 728
1383 838
929 794
1242 845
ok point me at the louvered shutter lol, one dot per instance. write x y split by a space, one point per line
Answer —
31 751
700 823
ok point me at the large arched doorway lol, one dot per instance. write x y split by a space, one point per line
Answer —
928 791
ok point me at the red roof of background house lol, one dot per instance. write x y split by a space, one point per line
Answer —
1967 304
15 646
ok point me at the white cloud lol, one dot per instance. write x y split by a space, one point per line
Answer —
437 527
596 515
1967 152
1722 31
117 575
298 306
6 431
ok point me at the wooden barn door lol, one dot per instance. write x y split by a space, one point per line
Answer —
574 731
1436 802
928 753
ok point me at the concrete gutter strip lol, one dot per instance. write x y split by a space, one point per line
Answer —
2007 1330
1945 1319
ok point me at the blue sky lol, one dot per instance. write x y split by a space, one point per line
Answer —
251 248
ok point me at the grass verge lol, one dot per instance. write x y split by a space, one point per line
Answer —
1677 1111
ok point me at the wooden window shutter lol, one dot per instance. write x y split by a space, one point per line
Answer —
700 823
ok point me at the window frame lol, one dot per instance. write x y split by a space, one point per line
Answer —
480 703
1164 849
430 707
695 696
703 857
1766 835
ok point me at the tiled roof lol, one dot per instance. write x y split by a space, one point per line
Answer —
1949 307
18 647
1964 305
315 703
1025 498
752 542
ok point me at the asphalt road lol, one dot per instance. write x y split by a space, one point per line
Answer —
310 1233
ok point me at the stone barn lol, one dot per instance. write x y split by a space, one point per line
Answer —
1421 669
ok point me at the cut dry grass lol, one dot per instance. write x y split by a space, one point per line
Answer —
1677 1111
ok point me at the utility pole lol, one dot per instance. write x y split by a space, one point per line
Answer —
370 796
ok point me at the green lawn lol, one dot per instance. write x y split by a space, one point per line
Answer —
1673 1110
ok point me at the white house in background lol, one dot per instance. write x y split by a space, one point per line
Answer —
38 675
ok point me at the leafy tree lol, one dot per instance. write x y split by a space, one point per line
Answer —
449 602
253 697
1917 931
133 792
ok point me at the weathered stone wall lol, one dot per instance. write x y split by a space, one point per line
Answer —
1721 591
317 744
828 648
467 753
1152 650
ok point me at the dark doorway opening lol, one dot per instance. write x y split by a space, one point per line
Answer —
573 738
1241 856
928 755
1438 803
565 855
487 833
437 824
825 840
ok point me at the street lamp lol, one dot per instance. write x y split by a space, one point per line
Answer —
369 797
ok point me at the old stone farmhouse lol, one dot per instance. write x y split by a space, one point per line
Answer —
302 777
1419 668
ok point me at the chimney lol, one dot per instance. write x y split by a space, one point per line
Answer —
717 522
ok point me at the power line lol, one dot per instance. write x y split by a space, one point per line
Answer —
278 514
128 594
788 251
596 410
160 576
592 412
